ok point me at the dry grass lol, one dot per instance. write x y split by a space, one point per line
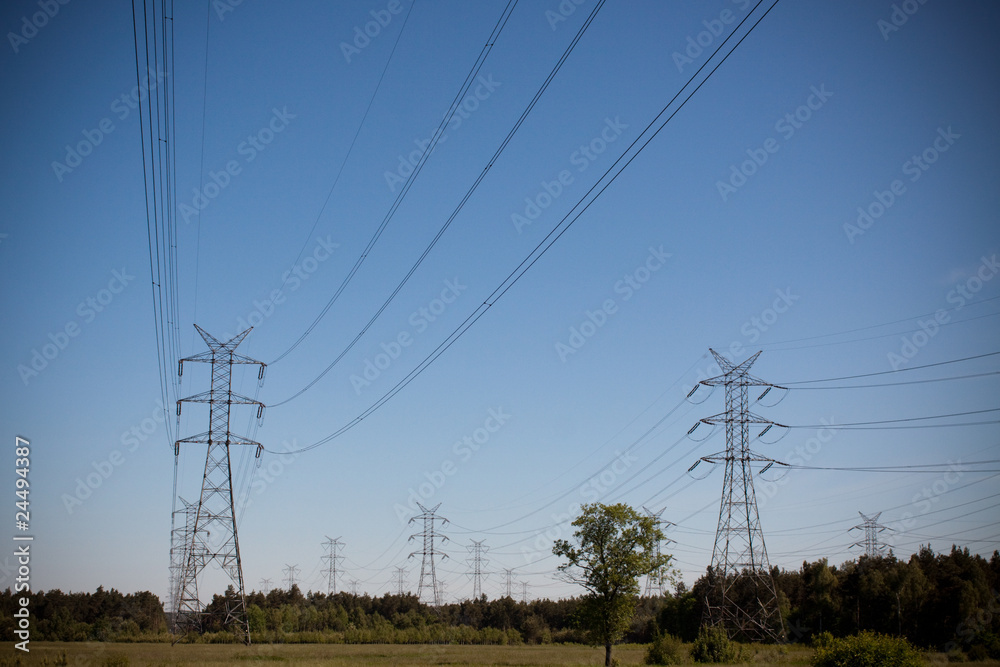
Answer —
121 655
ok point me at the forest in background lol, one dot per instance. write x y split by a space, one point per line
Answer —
936 601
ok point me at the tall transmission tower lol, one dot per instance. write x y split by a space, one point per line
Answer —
290 575
400 580
509 572
872 529
742 597
332 559
428 574
524 592
477 561
180 543
213 536
656 579
265 586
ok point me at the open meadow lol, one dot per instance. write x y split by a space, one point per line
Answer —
211 655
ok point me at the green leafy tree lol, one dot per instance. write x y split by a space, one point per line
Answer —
614 547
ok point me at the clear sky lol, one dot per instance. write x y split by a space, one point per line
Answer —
824 197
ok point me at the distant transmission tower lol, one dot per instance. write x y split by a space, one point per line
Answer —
332 559
477 561
265 586
428 575
742 597
400 580
290 574
524 592
872 529
354 587
180 544
216 514
655 579
509 572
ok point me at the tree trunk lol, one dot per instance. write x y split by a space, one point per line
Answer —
607 655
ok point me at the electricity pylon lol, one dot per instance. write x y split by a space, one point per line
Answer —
332 559
214 537
872 528
265 586
290 574
428 575
477 561
742 597
400 580
655 579
509 572
180 543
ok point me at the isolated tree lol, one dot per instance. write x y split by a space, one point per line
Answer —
614 547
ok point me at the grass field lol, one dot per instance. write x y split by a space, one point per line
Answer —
119 655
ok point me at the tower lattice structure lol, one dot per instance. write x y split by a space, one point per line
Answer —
872 528
332 558
656 579
213 537
742 597
477 562
428 573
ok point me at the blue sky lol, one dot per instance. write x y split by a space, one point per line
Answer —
736 227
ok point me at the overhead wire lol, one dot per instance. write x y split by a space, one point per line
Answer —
561 227
410 180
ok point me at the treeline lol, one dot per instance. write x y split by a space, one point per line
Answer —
940 601
101 615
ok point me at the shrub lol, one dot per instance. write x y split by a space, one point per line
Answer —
867 649
665 650
714 645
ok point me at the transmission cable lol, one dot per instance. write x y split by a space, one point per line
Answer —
549 239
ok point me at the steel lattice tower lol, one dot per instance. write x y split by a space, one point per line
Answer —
290 572
509 572
872 528
332 559
428 575
400 580
742 597
180 543
214 535
477 561
265 586
654 582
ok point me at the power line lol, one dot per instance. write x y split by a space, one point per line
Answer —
554 235
898 370
462 202
469 80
